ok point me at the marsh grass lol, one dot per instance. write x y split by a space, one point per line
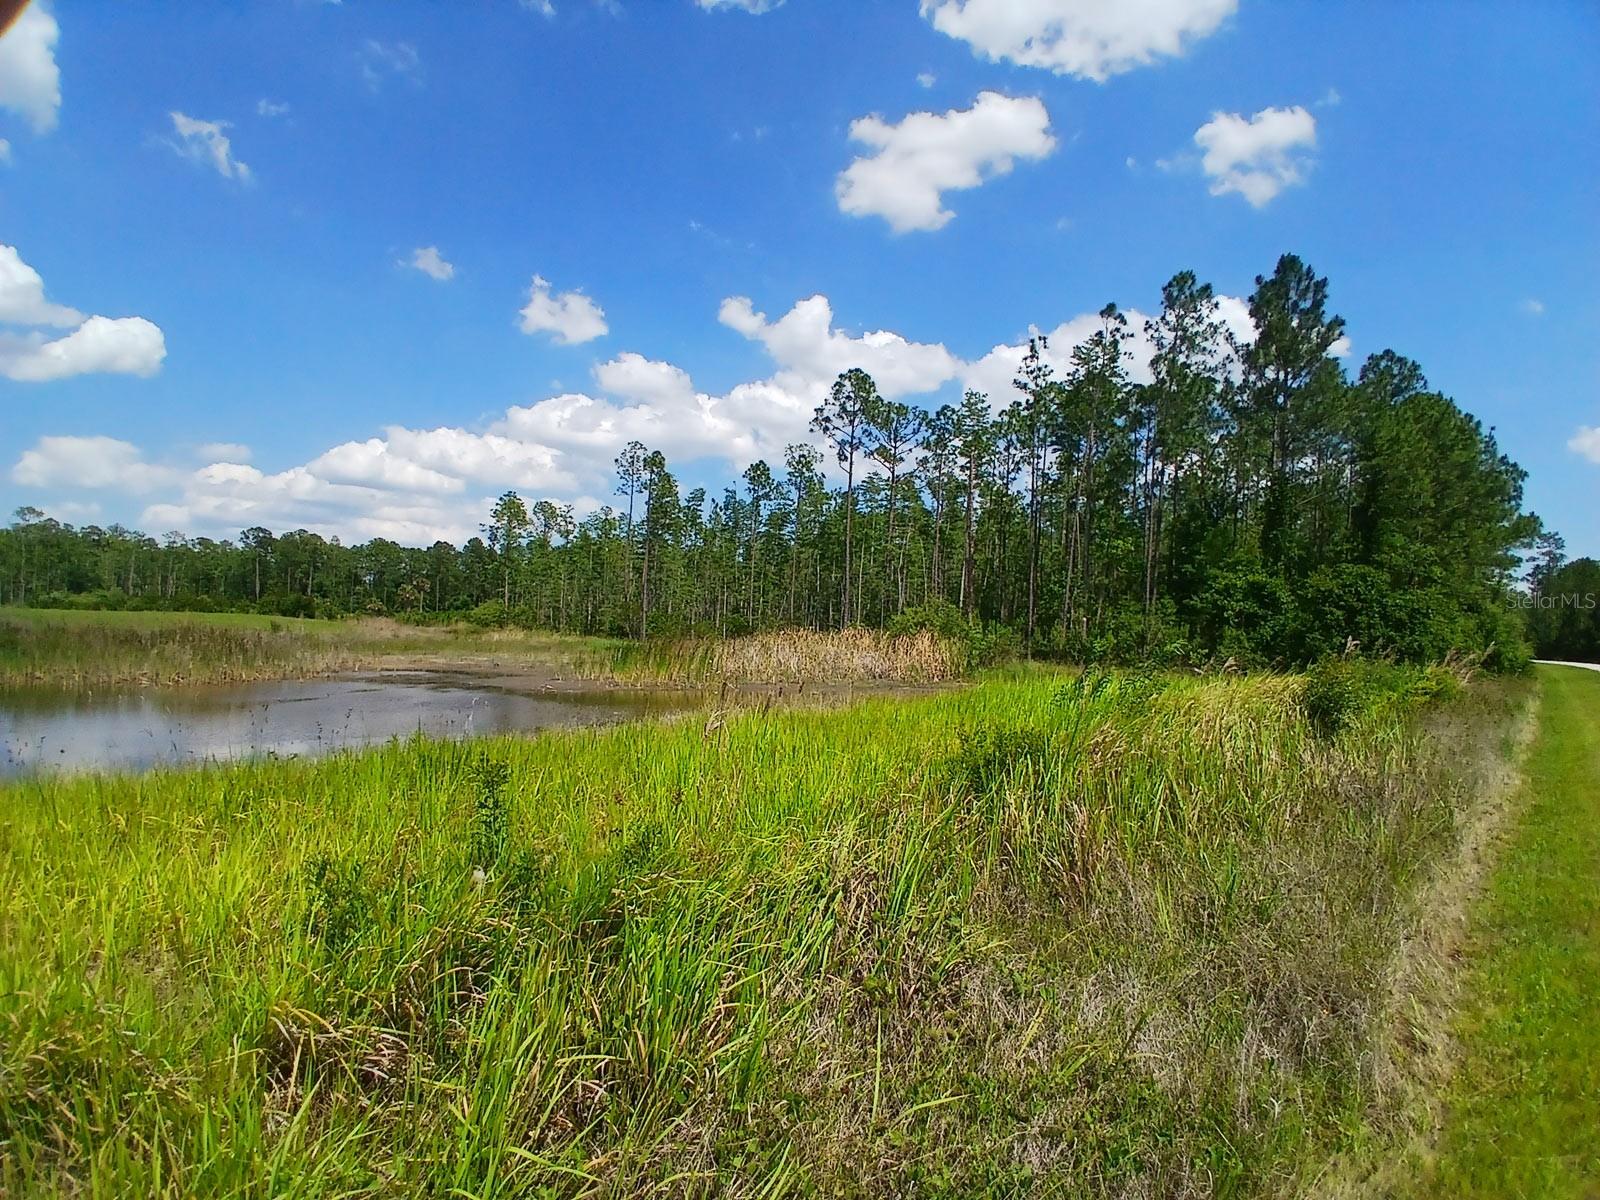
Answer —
77 650
1039 937
789 656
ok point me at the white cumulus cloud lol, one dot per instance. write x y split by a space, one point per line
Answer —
1088 39
22 299
30 81
749 6
116 345
811 352
89 462
431 263
568 317
101 345
1586 441
205 142
1257 156
914 163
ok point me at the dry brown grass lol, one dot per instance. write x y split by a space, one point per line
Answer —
853 654
791 656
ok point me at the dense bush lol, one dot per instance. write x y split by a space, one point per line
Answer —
1243 614
1340 692
489 614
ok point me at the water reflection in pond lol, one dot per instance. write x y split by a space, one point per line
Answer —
136 730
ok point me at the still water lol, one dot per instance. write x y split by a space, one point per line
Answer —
136 730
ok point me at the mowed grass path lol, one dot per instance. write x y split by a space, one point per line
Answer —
1524 1110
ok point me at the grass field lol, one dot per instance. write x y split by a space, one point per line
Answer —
1107 936
98 649
1522 1115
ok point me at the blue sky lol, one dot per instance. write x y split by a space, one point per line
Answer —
678 219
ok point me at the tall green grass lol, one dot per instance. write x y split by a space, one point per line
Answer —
1113 936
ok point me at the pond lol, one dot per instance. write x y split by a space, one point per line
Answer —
137 730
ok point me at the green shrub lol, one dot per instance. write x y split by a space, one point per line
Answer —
490 814
940 616
491 614
1335 694
1244 614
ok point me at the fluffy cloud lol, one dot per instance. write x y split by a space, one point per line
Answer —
1533 307
1089 39
657 402
811 353
271 108
570 317
431 263
1257 157
634 377
120 345
89 462
101 345
30 82
205 142
371 464
913 163
1586 442
413 486
440 461
22 300
749 6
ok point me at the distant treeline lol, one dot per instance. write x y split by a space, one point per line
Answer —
1563 605
1250 501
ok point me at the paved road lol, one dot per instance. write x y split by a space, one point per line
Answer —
1551 662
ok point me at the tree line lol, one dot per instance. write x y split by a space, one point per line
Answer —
1249 499
1562 604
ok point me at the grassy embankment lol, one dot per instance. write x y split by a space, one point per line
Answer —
1522 1113
100 649
1031 938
